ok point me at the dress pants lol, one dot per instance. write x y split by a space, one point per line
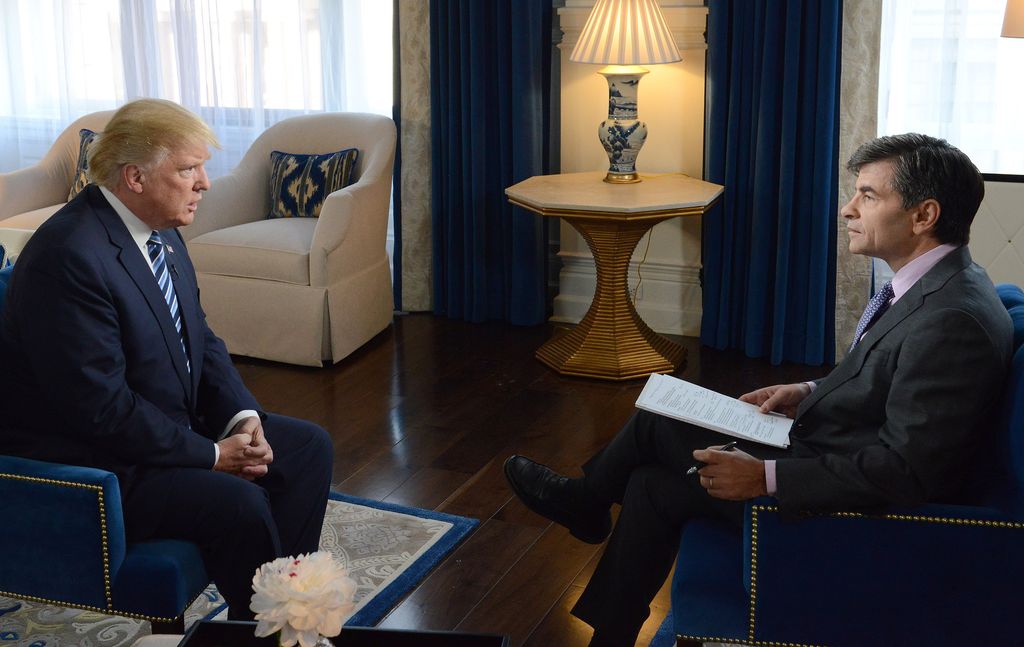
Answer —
644 469
237 524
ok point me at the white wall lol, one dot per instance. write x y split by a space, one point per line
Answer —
671 102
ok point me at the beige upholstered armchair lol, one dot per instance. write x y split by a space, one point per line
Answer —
30 195
299 290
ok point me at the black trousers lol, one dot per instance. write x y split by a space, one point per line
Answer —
237 524
644 469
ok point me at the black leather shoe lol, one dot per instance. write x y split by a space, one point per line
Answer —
554 496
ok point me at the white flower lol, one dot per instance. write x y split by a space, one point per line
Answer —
303 597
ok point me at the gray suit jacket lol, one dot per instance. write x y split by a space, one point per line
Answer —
901 416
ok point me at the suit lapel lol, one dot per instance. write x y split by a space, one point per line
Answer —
914 298
139 271
853 362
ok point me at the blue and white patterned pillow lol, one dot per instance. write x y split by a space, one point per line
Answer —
299 184
82 168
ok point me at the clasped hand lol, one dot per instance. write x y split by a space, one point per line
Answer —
245 452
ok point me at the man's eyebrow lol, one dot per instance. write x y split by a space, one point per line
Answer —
867 188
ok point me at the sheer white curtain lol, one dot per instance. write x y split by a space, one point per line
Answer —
945 72
241 64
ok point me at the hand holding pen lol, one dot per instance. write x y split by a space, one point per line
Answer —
728 447
730 473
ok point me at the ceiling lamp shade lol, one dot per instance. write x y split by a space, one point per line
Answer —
1013 19
626 32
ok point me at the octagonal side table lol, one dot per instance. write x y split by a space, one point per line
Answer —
612 342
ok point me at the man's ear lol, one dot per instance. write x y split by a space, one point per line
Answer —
133 177
926 216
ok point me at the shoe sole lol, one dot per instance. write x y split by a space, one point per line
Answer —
587 539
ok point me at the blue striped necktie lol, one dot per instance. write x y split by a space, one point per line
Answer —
163 278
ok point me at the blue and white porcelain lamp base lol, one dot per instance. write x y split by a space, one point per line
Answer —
622 134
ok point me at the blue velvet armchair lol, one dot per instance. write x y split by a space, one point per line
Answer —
64 543
928 575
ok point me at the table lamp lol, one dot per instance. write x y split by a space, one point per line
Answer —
1013 19
624 34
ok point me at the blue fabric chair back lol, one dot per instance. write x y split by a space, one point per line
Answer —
1009 495
5 279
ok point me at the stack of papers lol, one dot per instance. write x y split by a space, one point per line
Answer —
669 396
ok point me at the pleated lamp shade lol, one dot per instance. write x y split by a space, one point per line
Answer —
625 32
1013 19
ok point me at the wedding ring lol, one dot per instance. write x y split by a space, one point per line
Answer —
711 482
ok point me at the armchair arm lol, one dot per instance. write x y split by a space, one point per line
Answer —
48 182
351 232
35 187
902 574
63 539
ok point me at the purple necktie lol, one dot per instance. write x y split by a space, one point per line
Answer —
878 305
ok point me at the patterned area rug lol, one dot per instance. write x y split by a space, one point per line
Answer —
387 549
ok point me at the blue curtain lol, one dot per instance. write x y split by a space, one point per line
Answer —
772 140
490 121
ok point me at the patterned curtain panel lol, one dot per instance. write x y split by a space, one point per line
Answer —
490 97
772 139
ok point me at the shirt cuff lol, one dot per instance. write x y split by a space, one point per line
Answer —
769 477
811 386
244 413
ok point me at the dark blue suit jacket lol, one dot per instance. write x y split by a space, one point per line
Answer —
92 369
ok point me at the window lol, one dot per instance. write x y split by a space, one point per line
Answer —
946 72
240 64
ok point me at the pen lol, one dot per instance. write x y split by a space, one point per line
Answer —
728 447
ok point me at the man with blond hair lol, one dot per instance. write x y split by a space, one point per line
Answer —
108 362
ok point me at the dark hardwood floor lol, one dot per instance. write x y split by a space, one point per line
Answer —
425 414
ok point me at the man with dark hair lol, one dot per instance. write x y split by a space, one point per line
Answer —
925 167
893 423
108 362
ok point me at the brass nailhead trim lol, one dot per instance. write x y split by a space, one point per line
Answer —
741 641
106 548
36 479
949 521
752 609
66 604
